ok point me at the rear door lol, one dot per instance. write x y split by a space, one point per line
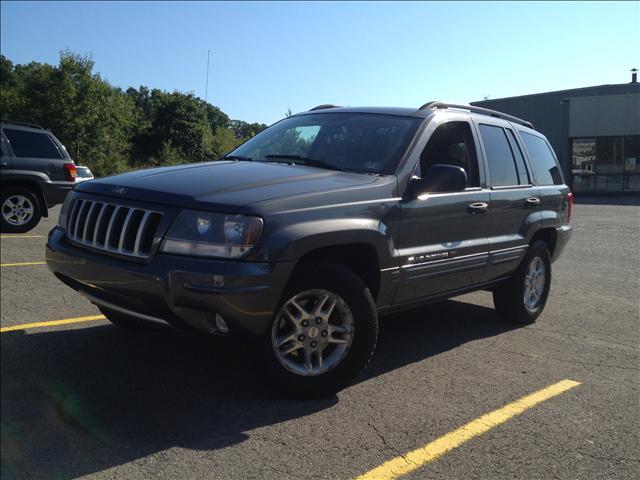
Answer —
442 245
515 201
548 176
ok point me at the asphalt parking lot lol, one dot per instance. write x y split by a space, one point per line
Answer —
86 399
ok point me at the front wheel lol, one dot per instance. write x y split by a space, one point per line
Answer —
323 333
522 297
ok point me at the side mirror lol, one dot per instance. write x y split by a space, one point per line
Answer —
439 179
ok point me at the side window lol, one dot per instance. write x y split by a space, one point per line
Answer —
452 144
502 167
543 163
31 144
523 177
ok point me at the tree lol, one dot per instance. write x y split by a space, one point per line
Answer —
245 130
111 130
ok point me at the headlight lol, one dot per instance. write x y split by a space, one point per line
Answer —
62 218
205 234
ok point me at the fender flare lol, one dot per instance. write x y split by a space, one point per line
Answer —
294 241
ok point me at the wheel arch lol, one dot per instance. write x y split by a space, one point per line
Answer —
361 258
548 235
31 185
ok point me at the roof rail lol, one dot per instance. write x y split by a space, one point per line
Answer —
323 107
471 108
24 124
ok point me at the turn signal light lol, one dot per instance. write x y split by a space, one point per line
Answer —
570 198
70 172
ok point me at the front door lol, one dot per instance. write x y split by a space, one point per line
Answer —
442 245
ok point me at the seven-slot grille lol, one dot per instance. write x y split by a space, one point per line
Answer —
113 228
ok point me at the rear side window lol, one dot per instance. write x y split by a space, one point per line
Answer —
31 144
502 167
543 163
523 177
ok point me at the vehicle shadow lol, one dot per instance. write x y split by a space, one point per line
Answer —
79 401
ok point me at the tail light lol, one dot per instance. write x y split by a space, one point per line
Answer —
570 210
70 172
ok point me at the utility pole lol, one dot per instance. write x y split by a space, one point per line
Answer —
206 94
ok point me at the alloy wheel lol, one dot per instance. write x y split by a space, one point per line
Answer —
534 284
17 210
312 332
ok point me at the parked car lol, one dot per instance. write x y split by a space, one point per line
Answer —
305 234
83 174
36 174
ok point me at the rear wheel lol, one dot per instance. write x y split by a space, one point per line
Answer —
21 210
323 333
522 298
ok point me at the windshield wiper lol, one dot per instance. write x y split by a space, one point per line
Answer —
237 157
312 162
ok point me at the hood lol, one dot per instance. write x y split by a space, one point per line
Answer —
223 185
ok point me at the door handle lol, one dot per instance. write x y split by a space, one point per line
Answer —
4 164
479 207
532 202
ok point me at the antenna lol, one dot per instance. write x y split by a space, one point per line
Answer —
206 85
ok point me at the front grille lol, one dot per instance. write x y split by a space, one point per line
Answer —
113 228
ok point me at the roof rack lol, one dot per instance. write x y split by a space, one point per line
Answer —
471 108
323 107
24 124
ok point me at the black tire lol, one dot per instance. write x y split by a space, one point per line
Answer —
30 198
126 322
350 288
508 297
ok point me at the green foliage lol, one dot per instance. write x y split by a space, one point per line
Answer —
246 130
112 131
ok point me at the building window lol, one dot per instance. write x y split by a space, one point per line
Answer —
583 155
632 163
605 163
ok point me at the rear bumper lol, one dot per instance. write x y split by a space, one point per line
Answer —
563 236
55 192
185 292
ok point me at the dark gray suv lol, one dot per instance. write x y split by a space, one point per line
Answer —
306 233
36 173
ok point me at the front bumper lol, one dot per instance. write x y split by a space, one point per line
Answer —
183 291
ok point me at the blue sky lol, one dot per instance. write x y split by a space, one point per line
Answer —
267 57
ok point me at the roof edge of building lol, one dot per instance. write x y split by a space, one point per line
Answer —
569 90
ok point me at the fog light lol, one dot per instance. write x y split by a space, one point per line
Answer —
221 325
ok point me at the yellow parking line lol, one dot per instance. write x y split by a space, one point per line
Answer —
23 264
52 323
404 464
21 236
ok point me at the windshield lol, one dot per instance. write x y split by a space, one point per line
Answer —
358 142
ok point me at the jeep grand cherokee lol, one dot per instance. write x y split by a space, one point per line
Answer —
306 233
